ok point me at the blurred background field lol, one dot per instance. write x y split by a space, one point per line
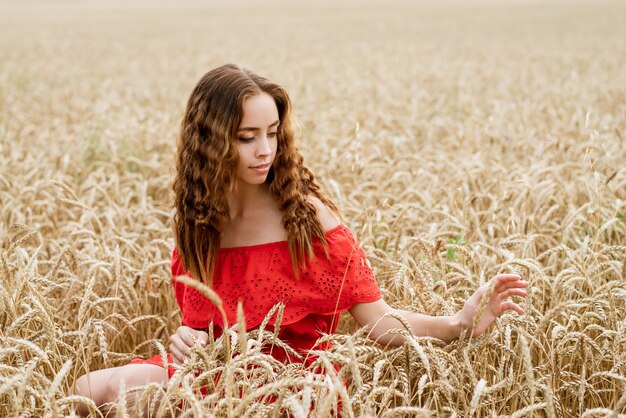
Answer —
460 139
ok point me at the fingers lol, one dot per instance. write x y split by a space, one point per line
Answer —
186 335
506 286
203 338
512 292
183 340
507 281
508 306
177 356
179 344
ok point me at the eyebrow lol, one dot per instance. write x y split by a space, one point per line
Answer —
254 129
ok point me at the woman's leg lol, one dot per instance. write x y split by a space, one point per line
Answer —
103 385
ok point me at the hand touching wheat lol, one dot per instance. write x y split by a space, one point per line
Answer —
479 316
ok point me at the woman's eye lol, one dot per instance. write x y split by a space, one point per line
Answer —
244 139
272 134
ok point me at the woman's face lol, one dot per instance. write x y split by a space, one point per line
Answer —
257 138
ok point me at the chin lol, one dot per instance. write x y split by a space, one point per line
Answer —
255 182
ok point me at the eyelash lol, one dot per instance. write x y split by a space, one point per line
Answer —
270 134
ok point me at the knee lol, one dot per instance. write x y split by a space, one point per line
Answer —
84 389
81 387
99 386
112 386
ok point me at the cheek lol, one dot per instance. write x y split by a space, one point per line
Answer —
244 151
241 159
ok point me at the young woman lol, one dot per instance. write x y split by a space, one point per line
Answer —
251 221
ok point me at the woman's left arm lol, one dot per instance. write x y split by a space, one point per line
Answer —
445 328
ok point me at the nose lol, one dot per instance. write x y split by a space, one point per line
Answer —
263 147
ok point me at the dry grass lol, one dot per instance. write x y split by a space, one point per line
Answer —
459 140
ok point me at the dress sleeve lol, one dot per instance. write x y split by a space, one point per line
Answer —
344 278
194 307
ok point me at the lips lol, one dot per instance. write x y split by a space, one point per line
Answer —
261 166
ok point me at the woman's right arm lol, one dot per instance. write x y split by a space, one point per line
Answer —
183 340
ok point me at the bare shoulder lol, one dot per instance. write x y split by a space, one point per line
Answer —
326 216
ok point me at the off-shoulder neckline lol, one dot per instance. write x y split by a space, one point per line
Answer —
329 232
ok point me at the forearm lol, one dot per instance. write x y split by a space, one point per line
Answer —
445 328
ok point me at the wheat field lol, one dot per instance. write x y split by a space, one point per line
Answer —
459 139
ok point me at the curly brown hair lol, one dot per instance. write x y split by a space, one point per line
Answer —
206 162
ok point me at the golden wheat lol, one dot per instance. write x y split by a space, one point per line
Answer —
460 140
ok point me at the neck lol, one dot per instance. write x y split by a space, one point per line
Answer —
246 198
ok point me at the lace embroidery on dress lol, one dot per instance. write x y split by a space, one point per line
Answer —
261 276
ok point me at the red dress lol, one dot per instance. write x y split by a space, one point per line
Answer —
262 276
